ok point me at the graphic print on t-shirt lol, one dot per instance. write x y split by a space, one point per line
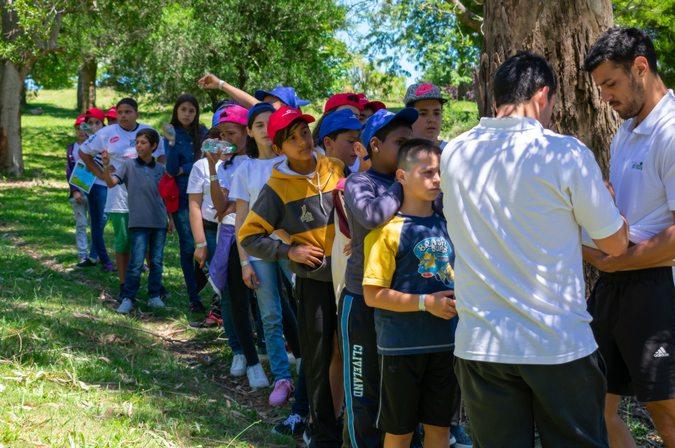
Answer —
434 256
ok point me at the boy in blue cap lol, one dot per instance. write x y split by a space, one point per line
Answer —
372 198
339 134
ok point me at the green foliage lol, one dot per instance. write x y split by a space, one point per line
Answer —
444 48
249 44
363 76
656 17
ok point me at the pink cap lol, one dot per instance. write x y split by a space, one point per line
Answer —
234 114
79 120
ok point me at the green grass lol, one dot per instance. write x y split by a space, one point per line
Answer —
72 371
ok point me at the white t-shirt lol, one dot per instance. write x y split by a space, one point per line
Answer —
515 196
249 179
121 145
642 170
199 182
225 173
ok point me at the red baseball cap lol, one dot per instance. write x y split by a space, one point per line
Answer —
96 113
373 105
79 120
343 99
112 113
283 118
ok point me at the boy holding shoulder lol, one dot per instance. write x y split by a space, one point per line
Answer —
409 280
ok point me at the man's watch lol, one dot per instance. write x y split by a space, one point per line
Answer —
421 305
213 177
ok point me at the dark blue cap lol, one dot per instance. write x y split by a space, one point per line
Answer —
258 109
340 120
383 117
287 96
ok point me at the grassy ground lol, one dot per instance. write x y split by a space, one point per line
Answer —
75 374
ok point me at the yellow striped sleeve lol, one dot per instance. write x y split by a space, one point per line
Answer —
380 249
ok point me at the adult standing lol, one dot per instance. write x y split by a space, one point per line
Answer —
515 197
633 302
119 141
182 153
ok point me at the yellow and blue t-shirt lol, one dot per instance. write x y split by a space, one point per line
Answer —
414 255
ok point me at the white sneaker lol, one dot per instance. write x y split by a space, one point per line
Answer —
156 302
256 377
238 367
125 307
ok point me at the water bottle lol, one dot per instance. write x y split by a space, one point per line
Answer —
169 133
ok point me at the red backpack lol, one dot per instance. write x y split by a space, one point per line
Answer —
168 190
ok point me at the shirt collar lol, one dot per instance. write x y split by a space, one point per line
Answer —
509 124
151 164
651 120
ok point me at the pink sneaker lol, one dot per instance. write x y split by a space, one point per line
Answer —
282 391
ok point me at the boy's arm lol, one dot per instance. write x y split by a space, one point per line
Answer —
211 81
440 304
367 208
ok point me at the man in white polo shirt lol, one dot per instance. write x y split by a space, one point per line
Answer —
516 196
633 302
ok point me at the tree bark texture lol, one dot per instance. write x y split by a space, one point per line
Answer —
11 159
86 84
563 32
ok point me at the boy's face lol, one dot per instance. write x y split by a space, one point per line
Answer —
80 134
299 145
127 116
422 181
235 134
385 153
143 147
343 147
95 124
428 125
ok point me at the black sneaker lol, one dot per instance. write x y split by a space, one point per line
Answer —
197 307
293 426
86 263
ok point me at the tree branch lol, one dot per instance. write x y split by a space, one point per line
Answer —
467 17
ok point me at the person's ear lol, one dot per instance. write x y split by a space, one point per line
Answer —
327 144
276 149
374 145
249 132
542 97
640 66
400 175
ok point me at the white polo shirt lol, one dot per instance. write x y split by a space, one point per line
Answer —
515 197
121 145
642 170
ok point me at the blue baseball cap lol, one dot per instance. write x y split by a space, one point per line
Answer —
287 96
383 117
257 109
341 120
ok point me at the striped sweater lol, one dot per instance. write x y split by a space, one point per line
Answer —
303 208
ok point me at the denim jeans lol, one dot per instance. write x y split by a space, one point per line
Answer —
269 303
80 213
181 220
96 199
145 240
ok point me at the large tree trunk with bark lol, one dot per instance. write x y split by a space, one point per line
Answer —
11 159
562 32
86 84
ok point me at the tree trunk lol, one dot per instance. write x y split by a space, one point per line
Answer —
562 32
11 159
86 84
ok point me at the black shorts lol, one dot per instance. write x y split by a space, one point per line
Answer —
415 389
634 326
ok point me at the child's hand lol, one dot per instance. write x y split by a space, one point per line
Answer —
209 81
200 256
170 227
249 277
212 158
306 254
105 158
347 250
442 304
79 198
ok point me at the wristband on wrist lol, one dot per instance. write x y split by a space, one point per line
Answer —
200 245
245 263
221 83
421 304
213 177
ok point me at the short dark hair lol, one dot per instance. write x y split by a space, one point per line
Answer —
129 102
150 134
520 76
384 132
285 133
621 46
409 152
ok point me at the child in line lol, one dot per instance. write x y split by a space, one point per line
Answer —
428 100
409 280
371 198
147 218
78 200
298 199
